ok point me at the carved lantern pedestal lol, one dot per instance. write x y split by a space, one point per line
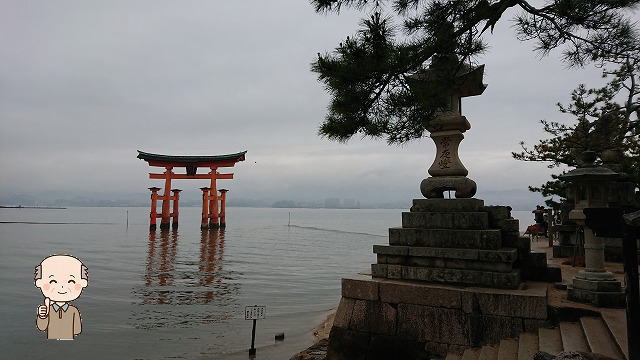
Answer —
447 171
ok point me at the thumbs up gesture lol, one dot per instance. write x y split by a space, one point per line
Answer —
43 310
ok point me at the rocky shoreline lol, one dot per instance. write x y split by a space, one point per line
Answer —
318 351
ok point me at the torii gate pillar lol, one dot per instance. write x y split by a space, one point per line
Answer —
154 203
175 213
204 224
223 206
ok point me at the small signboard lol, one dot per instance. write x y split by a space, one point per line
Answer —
255 312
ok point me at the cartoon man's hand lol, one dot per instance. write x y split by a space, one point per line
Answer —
43 310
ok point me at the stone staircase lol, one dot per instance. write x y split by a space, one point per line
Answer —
604 335
463 242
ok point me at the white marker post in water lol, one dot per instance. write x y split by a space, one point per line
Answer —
255 312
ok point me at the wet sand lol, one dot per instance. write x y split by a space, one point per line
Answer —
321 332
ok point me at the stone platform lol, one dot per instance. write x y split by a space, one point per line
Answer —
460 241
451 277
399 319
391 300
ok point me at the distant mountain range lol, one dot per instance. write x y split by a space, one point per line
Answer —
517 199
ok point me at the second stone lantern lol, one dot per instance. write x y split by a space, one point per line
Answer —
589 185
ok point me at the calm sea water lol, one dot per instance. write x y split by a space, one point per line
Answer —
181 294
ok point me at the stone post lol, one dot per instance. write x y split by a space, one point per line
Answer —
594 254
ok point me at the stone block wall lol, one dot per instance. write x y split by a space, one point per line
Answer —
388 319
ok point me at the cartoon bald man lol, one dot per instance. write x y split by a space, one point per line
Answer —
61 279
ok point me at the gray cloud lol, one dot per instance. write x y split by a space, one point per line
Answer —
85 84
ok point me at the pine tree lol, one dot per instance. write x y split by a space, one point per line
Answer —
606 118
367 74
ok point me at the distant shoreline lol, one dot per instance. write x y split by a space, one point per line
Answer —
228 206
31 207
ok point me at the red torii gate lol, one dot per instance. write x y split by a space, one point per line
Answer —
213 205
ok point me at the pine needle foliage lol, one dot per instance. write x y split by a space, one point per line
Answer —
368 73
606 118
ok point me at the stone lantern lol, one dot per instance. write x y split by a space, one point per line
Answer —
589 186
449 80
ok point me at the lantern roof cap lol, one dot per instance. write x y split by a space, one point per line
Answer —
467 79
590 173
587 171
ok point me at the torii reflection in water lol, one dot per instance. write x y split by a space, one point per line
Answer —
160 267
169 283
181 289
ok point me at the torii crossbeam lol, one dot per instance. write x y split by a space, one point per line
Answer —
213 205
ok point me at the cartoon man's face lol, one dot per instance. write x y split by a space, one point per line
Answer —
62 278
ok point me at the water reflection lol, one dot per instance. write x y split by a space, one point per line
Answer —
211 254
161 259
174 275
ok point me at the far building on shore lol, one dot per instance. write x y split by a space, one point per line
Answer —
335 203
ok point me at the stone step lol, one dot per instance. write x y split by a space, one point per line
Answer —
506 255
447 205
573 338
616 321
441 220
488 353
446 238
509 280
604 336
471 354
598 337
508 349
444 263
527 346
465 259
550 340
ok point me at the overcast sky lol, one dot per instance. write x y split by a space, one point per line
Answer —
84 84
